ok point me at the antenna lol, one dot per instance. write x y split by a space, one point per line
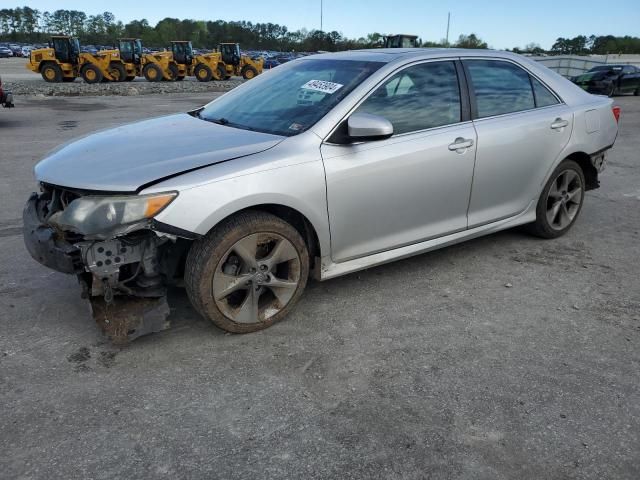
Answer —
448 22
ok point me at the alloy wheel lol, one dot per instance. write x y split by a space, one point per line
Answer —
564 199
256 278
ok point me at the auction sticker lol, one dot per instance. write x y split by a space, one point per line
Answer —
322 86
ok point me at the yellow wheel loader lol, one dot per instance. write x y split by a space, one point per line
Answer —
204 66
62 61
238 64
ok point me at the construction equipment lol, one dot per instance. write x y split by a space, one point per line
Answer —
400 41
217 65
155 67
62 61
238 64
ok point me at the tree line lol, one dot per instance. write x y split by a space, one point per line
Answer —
25 24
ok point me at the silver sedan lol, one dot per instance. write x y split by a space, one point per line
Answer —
326 165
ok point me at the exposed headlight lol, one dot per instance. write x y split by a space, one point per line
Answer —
92 215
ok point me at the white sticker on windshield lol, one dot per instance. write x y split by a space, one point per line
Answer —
322 86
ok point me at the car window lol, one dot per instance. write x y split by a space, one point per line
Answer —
290 100
419 97
500 87
543 96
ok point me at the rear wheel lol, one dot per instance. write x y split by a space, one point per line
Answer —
152 72
560 201
203 73
249 72
51 73
173 72
248 272
91 74
222 72
117 72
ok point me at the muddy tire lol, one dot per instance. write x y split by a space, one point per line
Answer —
203 73
91 74
152 72
51 73
560 202
248 272
249 72
118 72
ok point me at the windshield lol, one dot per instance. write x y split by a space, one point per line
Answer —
292 99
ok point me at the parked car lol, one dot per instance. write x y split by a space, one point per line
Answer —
610 80
270 63
16 50
6 98
26 51
5 52
330 164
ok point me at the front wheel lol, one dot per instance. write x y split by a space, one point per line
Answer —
248 272
560 201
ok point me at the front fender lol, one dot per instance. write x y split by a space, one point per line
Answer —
300 187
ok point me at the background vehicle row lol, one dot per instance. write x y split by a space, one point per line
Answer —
63 61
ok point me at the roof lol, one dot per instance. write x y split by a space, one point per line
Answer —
388 55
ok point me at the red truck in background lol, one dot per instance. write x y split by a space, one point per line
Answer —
6 98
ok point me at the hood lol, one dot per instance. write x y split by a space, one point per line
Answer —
123 159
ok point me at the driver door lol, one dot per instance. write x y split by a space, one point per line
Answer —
413 186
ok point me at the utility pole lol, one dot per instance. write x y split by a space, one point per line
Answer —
321 29
448 22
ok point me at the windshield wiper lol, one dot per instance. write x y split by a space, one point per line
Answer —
219 121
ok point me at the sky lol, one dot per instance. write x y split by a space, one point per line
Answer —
502 24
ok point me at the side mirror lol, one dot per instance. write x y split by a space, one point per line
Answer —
365 126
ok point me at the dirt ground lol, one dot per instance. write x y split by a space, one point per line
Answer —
501 358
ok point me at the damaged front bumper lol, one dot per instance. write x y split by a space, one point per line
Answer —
125 278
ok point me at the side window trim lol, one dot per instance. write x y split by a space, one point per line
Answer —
465 106
474 105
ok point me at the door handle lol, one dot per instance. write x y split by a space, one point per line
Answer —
461 144
559 123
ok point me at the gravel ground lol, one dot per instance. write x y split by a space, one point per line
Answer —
21 81
504 357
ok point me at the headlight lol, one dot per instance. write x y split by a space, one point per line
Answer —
92 215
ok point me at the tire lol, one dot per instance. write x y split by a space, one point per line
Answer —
222 72
118 72
152 72
51 73
249 72
203 73
637 92
612 90
91 74
173 72
254 302
130 78
560 223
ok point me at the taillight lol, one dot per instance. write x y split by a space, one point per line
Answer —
616 112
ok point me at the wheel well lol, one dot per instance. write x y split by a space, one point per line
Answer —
298 221
45 63
590 172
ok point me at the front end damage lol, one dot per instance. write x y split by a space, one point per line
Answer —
124 272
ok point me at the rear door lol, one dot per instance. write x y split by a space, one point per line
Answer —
384 194
522 128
